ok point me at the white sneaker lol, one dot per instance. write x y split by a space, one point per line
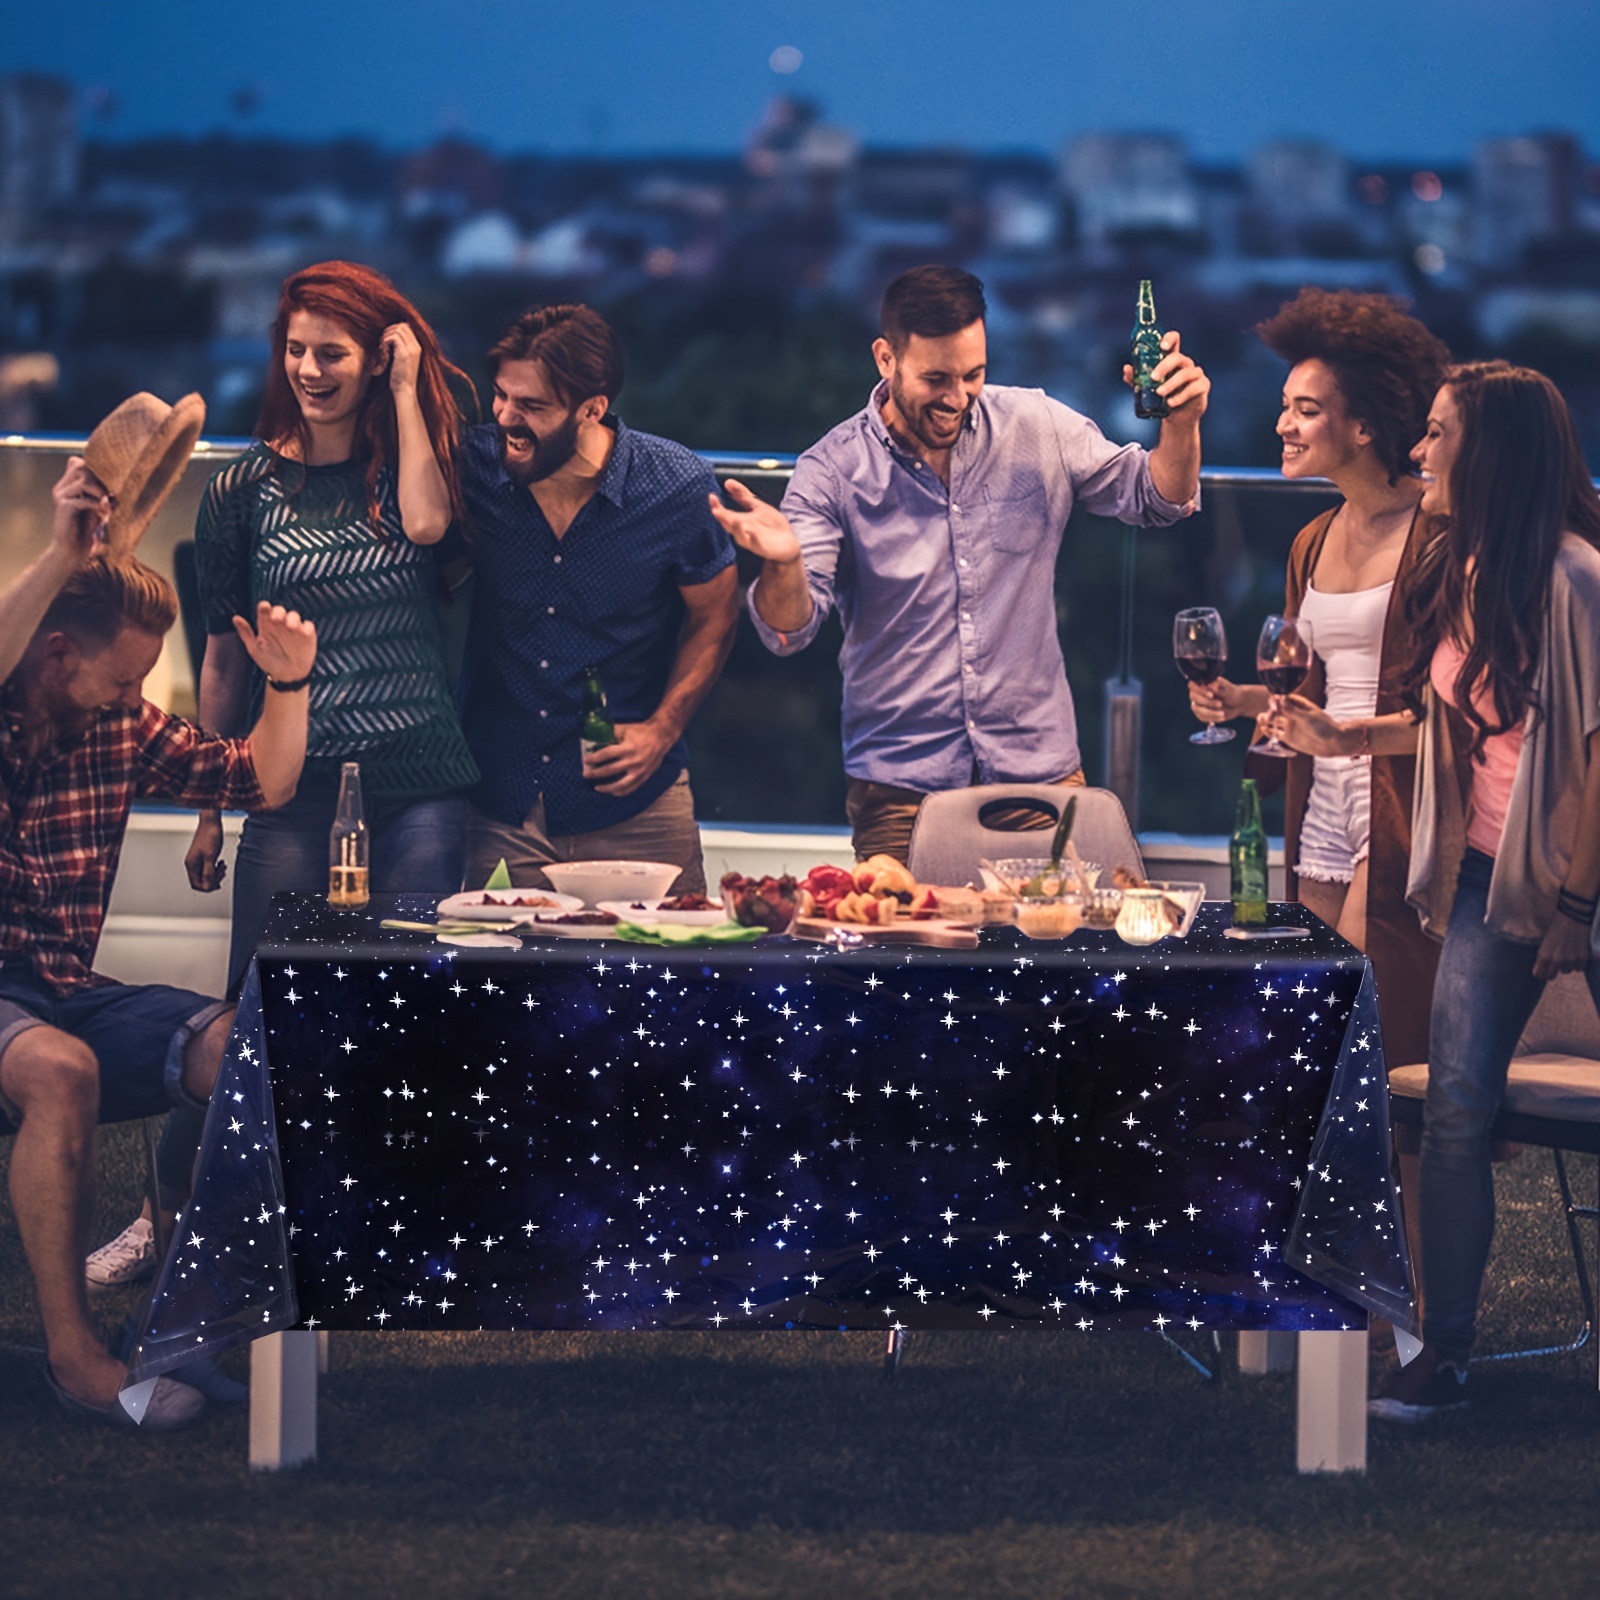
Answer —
129 1258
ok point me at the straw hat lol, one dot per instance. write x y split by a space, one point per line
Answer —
139 453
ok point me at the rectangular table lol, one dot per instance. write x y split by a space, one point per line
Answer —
1071 1134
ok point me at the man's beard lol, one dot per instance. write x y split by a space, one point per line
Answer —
916 422
549 455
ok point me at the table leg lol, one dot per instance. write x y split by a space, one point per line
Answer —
1261 1351
283 1400
1332 1431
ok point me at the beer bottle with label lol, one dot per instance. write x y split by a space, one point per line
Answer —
596 728
348 879
1145 356
1247 858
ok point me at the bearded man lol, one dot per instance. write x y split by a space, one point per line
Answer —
595 555
933 519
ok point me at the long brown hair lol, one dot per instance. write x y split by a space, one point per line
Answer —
1518 482
364 303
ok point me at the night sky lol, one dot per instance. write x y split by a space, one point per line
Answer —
1383 79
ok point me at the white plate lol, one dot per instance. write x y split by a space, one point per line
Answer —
630 911
536 928
469 906
481 941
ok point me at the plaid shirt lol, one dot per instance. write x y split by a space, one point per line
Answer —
64 811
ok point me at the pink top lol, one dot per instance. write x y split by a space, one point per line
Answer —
1492 777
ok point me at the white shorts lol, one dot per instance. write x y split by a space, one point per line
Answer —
1336 832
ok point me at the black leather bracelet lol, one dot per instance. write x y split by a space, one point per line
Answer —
291 687
1575 906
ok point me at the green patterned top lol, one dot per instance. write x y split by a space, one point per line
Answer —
302 537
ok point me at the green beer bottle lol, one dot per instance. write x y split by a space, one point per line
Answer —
1146 354
1247 858
596 728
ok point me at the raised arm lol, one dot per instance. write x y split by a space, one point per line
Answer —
284 646
712 610
1175 461
81 506
783 595
424 496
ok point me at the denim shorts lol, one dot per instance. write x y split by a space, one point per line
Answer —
1335 833
138 1033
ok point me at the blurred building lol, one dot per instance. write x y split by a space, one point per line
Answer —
38 149
1524 191
1124 185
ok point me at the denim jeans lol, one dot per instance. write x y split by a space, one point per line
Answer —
1482 999
415 845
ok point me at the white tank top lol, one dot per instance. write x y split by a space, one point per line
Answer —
1347 632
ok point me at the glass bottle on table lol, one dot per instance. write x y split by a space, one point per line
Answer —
1247 858
1145 355
349 880
1200 647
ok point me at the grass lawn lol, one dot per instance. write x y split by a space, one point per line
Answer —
1040 1465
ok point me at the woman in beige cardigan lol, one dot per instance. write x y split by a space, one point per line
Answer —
1502 705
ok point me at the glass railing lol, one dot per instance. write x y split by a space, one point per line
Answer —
765 745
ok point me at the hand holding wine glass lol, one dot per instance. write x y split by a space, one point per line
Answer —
1200 647
1283 658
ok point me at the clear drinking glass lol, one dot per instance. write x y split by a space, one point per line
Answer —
1283 658
1200 647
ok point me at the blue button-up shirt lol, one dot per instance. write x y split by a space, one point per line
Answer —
951 660
604 595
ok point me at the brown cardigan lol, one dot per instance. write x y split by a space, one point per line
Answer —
1403 956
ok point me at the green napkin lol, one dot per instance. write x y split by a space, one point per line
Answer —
500 878
675 935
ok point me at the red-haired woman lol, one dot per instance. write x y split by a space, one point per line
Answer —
332 513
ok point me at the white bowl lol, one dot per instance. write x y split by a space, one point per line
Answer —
594 881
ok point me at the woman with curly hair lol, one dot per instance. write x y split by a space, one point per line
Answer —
333 513
1362 374
1501 702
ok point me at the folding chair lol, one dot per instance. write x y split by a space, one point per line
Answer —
953 830
1552 1099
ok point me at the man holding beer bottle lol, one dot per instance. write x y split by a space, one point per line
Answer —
932 519
603 586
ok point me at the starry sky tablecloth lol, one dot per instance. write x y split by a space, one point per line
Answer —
606 1136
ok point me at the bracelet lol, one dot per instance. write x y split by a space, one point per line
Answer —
289 686
1366 740
1576 907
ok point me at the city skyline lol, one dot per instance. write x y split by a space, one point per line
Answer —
1411 79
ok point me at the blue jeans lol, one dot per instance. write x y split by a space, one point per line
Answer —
1482 998
416 845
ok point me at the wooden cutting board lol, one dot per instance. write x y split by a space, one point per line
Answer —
946 935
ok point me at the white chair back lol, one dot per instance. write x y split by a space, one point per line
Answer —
950 836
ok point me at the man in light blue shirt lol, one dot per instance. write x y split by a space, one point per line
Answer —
933 519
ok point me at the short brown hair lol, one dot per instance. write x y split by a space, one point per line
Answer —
102 596
1387 364
931 302
577 347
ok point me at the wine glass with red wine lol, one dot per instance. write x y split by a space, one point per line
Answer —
1200 648
1283 658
